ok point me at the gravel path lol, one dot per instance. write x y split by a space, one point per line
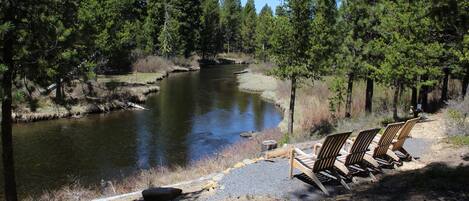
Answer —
270 179
266 179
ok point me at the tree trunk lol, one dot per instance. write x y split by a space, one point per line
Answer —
7 141
414 97
444 90
369 95
291 110
348 104
58 91
394 103
423 95
465 83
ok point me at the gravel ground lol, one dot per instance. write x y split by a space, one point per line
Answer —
265 178
270 179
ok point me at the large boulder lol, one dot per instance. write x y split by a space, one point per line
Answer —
161 194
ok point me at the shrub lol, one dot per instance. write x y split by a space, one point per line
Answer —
192 61
152 64
456 118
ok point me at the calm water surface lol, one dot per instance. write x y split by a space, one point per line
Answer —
193 116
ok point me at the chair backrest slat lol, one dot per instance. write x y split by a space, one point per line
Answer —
329 151
386 139
360 146
405 131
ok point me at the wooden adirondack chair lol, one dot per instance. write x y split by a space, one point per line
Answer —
397 144
355 152
381 148
322 159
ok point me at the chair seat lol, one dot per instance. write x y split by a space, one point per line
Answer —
306 160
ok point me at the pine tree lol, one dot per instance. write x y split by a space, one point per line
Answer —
188 19
169 37
361 19
114 24
248 27
231 24
290 45
152 26
407 52
210 28
450 19
264 32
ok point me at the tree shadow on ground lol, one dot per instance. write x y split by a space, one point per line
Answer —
437 181
313 192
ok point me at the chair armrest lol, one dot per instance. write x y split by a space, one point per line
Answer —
348 145
316 148
343 152
377 138
299 152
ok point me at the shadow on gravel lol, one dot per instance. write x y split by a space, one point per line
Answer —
436 181
313 192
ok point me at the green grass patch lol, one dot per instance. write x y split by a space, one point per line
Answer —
459 140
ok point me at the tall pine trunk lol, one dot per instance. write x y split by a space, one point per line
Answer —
423 95
348 104
465 82
291 110
7 141
394 102
414 98
369 95
58 91
444 89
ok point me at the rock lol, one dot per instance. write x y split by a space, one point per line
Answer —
194 68
269 145
210 185
179 69
227 171
218 177
161 194
239 165
247 134
248 161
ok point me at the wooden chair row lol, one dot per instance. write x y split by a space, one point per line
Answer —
339 156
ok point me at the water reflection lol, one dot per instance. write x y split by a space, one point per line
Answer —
194 115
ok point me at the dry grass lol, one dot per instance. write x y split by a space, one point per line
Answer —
160 176
456 117
133 78
237 56
157 64
192 61
152 64
262 67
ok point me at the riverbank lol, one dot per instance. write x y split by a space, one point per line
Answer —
106 93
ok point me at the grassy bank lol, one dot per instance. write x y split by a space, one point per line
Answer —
159 176
102 94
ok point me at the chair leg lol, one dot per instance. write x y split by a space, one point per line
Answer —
337 175
407 154
291 163
318 182
371 160
341 167
392 155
